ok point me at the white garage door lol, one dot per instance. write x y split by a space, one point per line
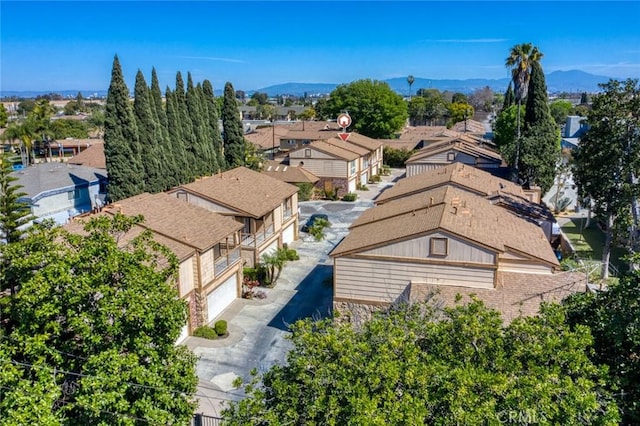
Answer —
288 235
364 179
270 248
184 333
352 185
221 297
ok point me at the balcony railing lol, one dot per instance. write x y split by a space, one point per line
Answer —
222 263
254 240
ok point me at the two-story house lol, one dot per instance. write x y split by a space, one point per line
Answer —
266 207
206 244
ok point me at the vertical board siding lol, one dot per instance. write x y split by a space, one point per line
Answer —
206 264
186 277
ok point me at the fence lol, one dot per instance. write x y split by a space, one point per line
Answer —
204 420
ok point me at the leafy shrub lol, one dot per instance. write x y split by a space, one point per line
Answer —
350 196
250 274
305 191
331 195
386 170
361 187
396 157
375 179
205 332
317 230
221 327
290 254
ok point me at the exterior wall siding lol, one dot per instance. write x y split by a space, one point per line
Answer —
506 265
385 280
206 265
418 248
201 202
416 169
185 280
59 201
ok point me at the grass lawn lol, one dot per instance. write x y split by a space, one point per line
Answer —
589 242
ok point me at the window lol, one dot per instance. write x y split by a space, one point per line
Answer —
451 156
74 195
439 246
353 167
307 153
291 141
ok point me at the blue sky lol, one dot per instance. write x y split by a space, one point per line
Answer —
70 45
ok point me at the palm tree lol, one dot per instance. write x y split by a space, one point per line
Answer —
410 80
519 61
26 133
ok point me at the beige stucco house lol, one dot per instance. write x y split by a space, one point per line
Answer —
206 244
266 207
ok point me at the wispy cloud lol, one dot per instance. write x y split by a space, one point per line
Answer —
469 40
213 58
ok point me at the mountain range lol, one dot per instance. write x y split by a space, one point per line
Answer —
557 81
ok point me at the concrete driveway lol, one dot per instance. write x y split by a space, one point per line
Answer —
258 328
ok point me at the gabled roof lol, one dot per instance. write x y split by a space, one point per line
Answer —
289 174
333 150
91 157
331 133
177 220
363 141
348 145
246 191
265 138
41 179
452 210
471 126
458 174
456 144
314 126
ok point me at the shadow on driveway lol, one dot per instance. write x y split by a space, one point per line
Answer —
313 299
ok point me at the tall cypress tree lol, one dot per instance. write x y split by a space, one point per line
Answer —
211 165
186 126
150 136
198 145
181 167
540 145
232 125
160 117
214 124
121 144
509 97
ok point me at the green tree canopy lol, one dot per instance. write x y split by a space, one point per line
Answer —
376 110
607 162
413 365
3 116
13 213
92 331
613 316
560 110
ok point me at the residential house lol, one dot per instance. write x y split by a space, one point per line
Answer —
526 203
59 191
453 150
93 156
266 207
447 241
206 244
341 165
573 129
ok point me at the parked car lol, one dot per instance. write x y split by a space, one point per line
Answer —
312 220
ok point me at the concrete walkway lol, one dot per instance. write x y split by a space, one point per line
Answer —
258 328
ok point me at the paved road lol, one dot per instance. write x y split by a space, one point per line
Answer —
258 327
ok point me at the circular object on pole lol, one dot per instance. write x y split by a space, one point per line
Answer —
344 120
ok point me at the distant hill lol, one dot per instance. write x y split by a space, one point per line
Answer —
557 81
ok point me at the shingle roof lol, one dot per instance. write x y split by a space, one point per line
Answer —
91 157
44 177
453 210
458 174
177 220
363 141
331 149
515 294
264 137
289 174
348 145
472 126
458 144
249 192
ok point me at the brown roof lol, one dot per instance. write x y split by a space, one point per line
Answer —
333 150
314 126
92 157
418 133
289 174
408 145
348 145
264 137
453 210
182 251
515 294
470 126
363 141
177 220
458 174
458 144
243 190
